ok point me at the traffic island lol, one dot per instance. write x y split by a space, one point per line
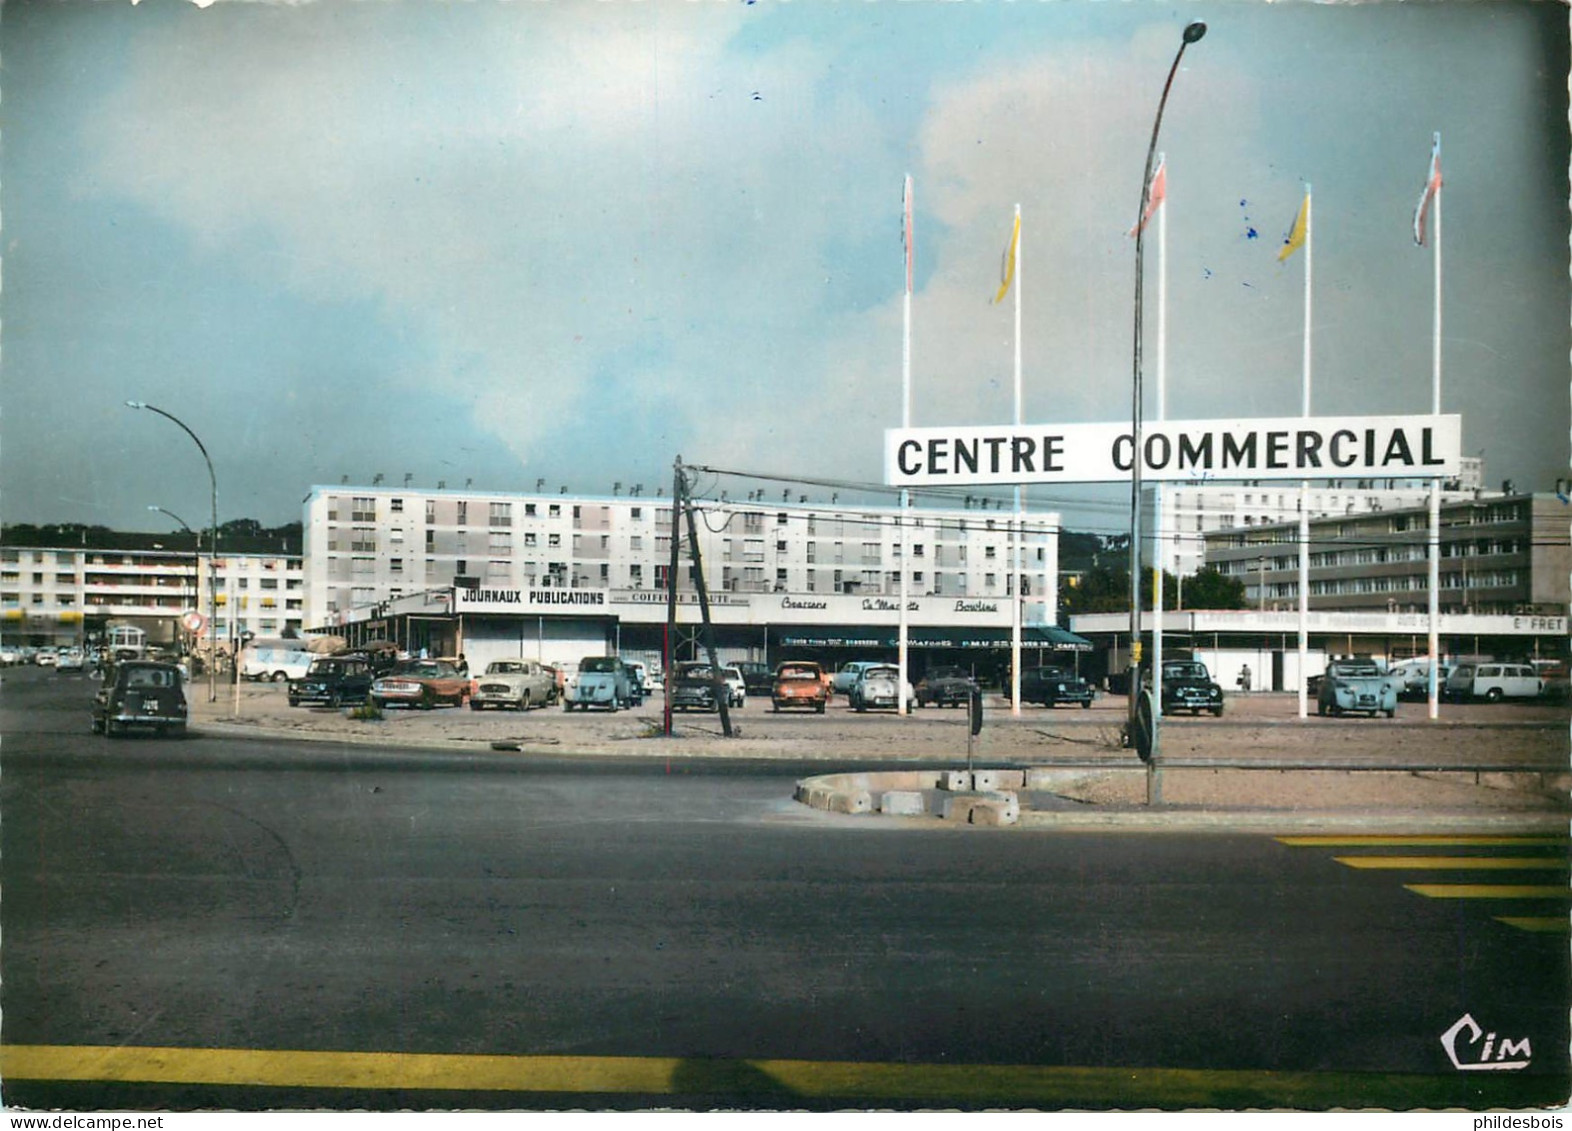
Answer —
1203 799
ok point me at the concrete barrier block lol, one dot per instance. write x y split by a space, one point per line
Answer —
955 780
902 803
989 813
986 780
850 801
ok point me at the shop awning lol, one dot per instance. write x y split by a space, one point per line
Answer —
1050 637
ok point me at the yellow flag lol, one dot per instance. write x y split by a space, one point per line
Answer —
1296 238
1007 268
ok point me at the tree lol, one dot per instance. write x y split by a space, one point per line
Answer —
1208 589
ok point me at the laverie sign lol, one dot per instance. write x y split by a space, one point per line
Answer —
1189 451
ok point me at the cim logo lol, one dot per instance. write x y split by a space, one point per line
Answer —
1460 1041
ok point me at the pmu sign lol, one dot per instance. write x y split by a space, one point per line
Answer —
1189 451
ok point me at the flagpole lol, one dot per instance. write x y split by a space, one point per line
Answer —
1016 595
1435 484
1162 414
1304 485
902 704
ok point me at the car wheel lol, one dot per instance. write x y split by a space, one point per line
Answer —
1217 712
96 724
111 729
1086 706
1320 709
1493 695
474 706
280 677
524 702
1391 712
819 708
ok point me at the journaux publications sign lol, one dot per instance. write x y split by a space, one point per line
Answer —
1178 451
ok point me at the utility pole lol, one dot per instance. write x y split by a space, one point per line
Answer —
718 680
671 593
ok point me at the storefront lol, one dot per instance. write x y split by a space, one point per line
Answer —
562 625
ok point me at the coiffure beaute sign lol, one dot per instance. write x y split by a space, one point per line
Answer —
1190 451
649 606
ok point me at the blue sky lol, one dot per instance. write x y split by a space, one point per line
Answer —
505 242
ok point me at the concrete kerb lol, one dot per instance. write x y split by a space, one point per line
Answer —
959 797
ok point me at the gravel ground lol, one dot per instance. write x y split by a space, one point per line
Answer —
1262 728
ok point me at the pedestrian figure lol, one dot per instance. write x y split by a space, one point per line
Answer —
1244 678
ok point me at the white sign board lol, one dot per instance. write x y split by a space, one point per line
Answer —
1178 451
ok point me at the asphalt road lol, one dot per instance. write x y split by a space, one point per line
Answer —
582 920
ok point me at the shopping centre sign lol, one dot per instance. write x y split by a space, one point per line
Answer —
1188 451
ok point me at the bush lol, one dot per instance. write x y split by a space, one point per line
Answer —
367 712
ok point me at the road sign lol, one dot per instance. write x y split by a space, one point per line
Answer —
1178 451
193 621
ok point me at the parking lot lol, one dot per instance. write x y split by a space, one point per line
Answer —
1259 725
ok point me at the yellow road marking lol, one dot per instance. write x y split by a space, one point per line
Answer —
1449 863
1424 841
1037 1085
1530 923
1491 891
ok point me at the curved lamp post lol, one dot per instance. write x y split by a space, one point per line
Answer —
212 550
196 554
1192 34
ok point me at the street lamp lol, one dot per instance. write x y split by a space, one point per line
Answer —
196 554
1192 34
212 550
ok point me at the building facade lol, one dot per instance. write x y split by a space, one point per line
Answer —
55 596
1189 514
560 576
1499 555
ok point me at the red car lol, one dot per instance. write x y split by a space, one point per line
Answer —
422 683
800 683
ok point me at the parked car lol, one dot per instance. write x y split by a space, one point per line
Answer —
644 684
1188 686
46 657
945 687
516 683
10 657
1356 685
1051 686
140 695
693 687
878 687
602 681
736 685
1413 678
757 677
421 683
72 660
274 662
849 673
800 683
333 681
1493 681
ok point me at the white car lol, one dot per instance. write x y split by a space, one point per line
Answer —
850 673
739 689
71 660
516 683
46 657
10 657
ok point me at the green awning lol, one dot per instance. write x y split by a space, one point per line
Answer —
1051 637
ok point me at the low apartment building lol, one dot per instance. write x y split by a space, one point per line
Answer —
58 596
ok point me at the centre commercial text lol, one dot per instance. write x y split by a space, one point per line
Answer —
1404 447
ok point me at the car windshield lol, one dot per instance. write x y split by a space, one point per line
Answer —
326 667
599 664
504 667
947 673
799 673
1356 669
696 672
425 668
1185 671
882 673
